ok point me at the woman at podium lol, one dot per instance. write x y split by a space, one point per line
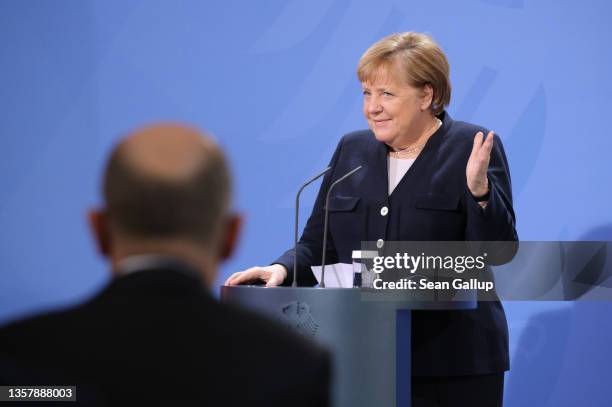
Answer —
425 177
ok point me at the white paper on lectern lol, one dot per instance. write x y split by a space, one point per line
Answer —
336 275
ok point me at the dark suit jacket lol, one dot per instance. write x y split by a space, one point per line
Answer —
157 337
431 203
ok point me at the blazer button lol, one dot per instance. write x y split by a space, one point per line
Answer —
380 243
384 211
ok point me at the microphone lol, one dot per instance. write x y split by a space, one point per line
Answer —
336 182
297 214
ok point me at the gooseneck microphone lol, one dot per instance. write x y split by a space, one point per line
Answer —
297 214
336 182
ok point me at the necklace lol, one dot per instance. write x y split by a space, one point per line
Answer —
406 151
402 152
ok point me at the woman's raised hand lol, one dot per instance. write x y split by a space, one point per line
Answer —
478 164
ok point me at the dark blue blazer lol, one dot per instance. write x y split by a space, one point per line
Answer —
431 203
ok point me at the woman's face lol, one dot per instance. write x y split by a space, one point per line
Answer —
396 111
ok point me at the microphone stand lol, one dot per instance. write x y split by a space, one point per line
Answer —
345 176
297 214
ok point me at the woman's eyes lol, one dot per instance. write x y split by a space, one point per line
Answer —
368 93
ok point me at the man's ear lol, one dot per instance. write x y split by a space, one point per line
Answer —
233 226
98 224
426 96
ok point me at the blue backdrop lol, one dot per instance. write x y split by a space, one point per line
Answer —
275 82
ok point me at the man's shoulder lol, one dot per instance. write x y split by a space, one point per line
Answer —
50 322
36 348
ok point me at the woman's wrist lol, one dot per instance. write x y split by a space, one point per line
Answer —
481 194
281 269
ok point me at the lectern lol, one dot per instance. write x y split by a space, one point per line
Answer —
367 332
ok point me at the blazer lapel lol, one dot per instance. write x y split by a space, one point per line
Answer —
380 172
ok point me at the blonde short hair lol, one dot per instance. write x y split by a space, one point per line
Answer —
420 60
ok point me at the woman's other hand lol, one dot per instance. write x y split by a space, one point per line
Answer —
273 276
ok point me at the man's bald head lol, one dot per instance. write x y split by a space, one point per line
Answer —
167 181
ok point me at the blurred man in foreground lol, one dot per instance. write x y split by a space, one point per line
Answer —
155 335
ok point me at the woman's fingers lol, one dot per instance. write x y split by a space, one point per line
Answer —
481 143
481 150
487 145
231 278
246 276
273 275
478 163
477 144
